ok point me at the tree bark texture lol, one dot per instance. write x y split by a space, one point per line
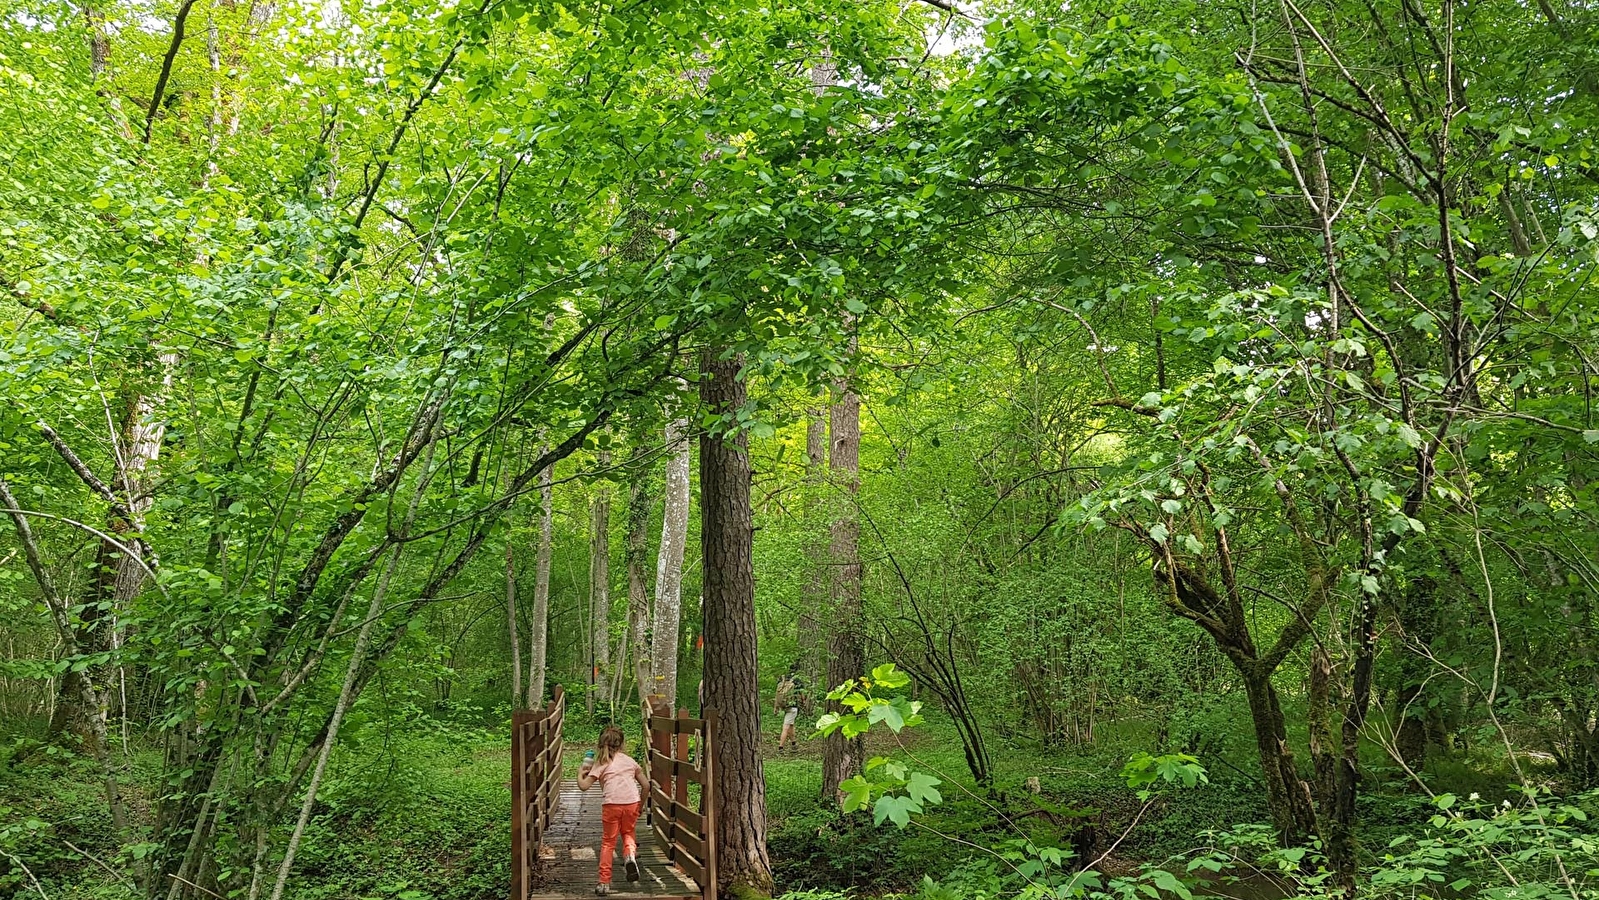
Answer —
118 576
1288 797
732 685
511 624
842 758
638 588
600 586
666 616
816 601
538 640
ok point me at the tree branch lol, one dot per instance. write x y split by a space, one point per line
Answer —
166 67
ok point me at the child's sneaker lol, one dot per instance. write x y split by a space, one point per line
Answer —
602 890
631 865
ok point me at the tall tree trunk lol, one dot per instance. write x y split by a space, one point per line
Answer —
118 576
1337 754
510 617
638 589
1287 795
99 42
538 640
816 599
669 566
843 757
600 587
732 671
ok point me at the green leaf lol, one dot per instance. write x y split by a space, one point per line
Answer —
924 788
857 793
887 714
895 809
1168 882
889 676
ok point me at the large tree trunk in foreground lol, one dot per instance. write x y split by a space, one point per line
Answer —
732 685
669 566
1336 754
538 640
847 655
1287 795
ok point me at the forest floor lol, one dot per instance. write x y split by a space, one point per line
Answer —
423 816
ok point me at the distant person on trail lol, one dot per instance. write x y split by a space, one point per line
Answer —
789 691
623 785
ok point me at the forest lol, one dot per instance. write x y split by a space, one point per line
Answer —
1151 443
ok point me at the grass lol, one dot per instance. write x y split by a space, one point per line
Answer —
428 821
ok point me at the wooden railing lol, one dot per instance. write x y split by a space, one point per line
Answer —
535 785
680 756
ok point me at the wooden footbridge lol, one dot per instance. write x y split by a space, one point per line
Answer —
555 828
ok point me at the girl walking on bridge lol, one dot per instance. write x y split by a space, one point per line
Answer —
623 786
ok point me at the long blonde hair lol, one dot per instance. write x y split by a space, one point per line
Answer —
609 745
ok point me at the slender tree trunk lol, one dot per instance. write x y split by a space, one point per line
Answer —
665 618
638 589
732 685
1417 613
99 42
816 600
538 640
1336 754
348 692
510 621
600 587
842 758
118 576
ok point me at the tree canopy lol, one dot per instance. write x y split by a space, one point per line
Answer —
1199 392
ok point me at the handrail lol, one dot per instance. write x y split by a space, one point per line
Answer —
687 836
536 773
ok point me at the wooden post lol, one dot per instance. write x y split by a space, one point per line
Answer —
660 742
536 746
555 746
521 877
541 751
708 800
655 706
680 787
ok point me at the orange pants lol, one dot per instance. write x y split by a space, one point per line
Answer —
618 818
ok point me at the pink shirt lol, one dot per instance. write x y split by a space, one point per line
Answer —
618 783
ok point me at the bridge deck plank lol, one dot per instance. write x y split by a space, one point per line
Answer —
569 858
